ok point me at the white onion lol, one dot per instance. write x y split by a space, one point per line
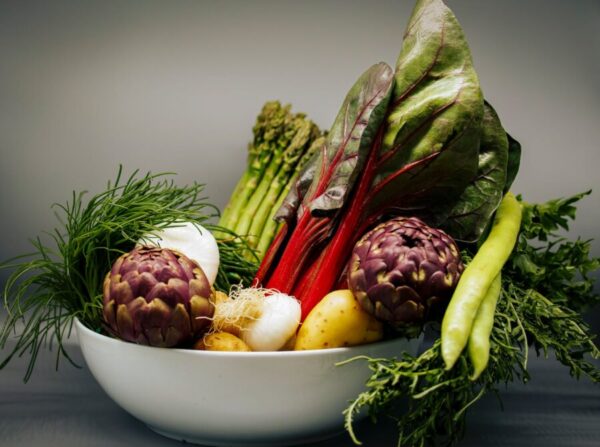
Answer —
191 239
278 322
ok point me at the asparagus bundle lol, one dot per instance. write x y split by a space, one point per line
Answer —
282 145
271 226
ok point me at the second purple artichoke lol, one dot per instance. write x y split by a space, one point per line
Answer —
404 272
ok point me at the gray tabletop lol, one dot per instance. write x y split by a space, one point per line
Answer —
68 408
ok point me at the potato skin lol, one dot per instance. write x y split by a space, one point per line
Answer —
221 341
219 297
337 321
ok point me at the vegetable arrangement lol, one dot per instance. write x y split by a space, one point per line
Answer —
400 216
405 142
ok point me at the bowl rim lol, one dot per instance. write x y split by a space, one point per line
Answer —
253 354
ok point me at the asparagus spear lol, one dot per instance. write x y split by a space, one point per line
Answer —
249 211
271 226
291 156
269 125
281 141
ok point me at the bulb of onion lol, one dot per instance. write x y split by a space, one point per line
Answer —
278 321
191 239
265 320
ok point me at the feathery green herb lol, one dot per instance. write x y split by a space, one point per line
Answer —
430 402
62 278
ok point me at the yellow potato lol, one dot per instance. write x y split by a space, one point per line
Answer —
219 297
221 341
290 344
336 321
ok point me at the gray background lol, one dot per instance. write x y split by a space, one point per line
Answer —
176 86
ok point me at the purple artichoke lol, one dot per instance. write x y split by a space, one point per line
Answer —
157 297
404 272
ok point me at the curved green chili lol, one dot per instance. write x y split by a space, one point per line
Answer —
477 278
479 339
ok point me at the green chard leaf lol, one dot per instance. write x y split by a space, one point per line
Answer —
413 156
430 146
514 161
471 215
349 141
325 181
331 179
289 206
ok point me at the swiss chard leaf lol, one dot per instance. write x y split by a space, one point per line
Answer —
287 211
415 155
330 180
514 161
430 146
470 216
350 140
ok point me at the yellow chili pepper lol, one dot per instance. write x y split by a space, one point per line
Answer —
479 340
477 278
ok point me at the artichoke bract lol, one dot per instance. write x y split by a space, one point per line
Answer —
157 297
404 272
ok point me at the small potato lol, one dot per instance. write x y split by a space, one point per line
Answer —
221 341
219 297
336 321
290 344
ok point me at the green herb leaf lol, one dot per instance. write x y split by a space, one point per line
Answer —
551 264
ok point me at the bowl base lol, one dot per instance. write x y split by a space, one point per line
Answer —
222 442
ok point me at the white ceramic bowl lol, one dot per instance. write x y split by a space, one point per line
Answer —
233 398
